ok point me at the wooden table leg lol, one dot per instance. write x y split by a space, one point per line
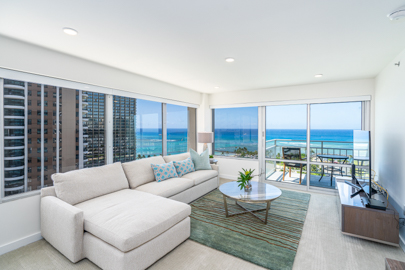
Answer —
226 206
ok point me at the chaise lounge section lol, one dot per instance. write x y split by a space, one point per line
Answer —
117 215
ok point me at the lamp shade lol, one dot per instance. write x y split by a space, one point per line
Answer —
205 137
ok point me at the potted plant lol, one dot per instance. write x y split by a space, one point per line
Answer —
211 159
244 179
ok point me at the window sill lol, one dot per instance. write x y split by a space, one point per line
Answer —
237 158
20 196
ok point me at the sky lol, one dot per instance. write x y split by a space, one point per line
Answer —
323 116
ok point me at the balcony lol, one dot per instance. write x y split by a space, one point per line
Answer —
321 170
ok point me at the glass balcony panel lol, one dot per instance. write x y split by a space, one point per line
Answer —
14 184
14 122
13 132
13 112
13 173
14 92
13 153
13 142
286 172
13 163
14 102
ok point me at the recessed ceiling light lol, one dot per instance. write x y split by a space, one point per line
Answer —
318 75
216 87
70 31
229 60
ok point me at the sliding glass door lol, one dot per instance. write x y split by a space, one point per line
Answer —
286 144
332 129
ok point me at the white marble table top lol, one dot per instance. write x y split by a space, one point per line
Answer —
260 192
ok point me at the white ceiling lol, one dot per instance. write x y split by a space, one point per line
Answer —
185 42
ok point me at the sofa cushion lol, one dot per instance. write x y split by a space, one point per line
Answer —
201 161
168 187
85 184
184 167
140 172
164 171
177 157
201 176
128 218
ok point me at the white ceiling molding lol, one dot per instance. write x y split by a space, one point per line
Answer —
294 102
34 78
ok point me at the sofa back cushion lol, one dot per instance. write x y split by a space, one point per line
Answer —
81 185
140 171
178 157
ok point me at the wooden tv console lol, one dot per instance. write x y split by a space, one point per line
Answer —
359 221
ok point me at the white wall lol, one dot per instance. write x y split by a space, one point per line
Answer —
309 91
229 167
352 88
19 223
29 58
390 132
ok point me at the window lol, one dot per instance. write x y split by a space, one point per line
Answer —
236 132
137 132
124 130
180 124
148 128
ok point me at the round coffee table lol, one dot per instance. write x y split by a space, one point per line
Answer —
260 193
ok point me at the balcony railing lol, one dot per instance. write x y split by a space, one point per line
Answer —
341 148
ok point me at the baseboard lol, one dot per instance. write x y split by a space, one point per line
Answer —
20 243
228 176
402 243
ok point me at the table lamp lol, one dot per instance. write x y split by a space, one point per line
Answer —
205 137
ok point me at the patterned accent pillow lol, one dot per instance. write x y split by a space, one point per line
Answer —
164 171
184 167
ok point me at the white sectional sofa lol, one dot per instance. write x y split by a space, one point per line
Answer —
117 215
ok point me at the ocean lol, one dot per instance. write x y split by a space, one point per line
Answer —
149 141
331 141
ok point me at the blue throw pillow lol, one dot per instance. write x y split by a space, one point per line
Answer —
164 171
201 162
183 167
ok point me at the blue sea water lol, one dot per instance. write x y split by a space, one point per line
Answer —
149 141
227 139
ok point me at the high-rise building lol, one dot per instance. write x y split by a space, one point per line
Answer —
14 95
49 129
124 135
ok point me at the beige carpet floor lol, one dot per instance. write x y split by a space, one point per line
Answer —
322 246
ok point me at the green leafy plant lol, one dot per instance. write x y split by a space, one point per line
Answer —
245 177
211 156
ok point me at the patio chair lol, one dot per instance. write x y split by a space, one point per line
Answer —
292 153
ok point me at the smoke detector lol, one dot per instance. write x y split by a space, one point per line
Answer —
397 14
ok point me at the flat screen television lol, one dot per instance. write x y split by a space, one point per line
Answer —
362 155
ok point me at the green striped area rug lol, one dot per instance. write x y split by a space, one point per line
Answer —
272 245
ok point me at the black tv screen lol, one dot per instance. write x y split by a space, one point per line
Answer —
362 152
